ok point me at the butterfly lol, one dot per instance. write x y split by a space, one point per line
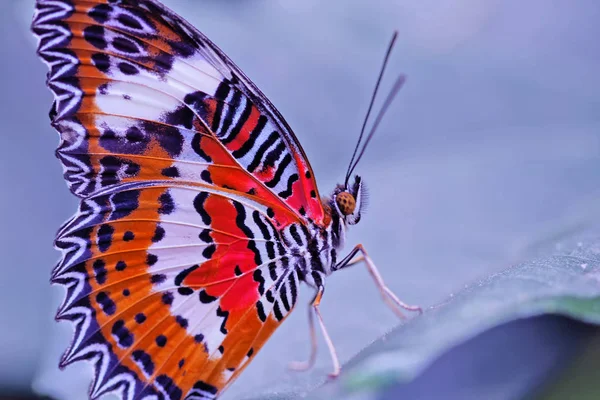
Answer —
199 213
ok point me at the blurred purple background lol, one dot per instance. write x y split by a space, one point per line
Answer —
491 149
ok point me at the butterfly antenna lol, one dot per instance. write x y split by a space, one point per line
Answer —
362 131
388 101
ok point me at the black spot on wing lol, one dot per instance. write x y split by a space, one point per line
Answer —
170 172
151 259
101 61
106 304
205 236
128 236
240 219
254 135
273 270
183 274
228 119
159 234
183 116
205 176
167 298
277 311
182 321
173 391
293 288
283 297
157 279
197 147
261 311
221 94
169 137
94 35
209 251
182 48
288 192
205 387
140 318
129 22
161 340
125 45
272 157
257 276
269 296
127 68
252 247
256 216
124 203
296 235
144 360
105 237
100 13
121 265
134 135
258 157
185 291
287 159
199 207
167 205
205 298
196 101
99 267
270 250
123 336
224 315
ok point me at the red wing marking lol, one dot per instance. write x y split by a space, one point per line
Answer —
171 274
138 60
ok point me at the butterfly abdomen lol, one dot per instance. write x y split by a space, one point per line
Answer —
314 249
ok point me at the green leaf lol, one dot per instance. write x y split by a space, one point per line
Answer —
567 282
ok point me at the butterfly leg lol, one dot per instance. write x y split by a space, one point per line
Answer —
314 310
355 261
388 296
305 365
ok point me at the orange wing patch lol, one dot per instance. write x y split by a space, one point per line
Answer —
182 284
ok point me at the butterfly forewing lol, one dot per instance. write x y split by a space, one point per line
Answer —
175 270
142 95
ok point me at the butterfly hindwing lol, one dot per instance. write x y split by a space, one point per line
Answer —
174 298
142 95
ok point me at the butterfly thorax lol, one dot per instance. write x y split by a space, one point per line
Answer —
314 246
313 249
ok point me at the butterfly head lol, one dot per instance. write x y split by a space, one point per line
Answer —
350 202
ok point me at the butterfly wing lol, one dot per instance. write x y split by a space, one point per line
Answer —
172 289
142 95
174 268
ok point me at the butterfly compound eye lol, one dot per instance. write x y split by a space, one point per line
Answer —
346 203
